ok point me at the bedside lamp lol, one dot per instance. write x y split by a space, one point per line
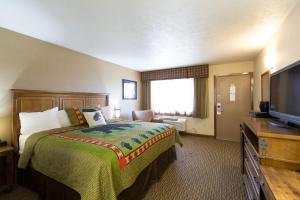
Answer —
117 113
2 142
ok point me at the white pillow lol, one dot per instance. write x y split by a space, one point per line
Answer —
33 122
63 118
107 112
94 118
55 109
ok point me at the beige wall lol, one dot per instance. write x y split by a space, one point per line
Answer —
283 49
206 126
27 63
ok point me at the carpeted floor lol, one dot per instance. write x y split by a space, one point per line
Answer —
19 193
205 169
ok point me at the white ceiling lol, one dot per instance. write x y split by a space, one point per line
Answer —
151 34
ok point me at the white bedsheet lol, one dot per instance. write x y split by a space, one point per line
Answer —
22 140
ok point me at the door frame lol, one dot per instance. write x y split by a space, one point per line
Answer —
215 94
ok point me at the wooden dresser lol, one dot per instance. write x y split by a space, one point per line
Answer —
270 160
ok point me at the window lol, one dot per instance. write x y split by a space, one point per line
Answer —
172 96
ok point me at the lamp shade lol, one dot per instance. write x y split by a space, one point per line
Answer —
117 113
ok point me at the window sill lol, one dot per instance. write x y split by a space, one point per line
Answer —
172 115
169 117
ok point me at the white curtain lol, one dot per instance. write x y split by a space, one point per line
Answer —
172 96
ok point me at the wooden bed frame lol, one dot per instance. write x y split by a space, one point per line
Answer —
35 101
48 188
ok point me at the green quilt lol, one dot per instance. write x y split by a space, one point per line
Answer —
98 162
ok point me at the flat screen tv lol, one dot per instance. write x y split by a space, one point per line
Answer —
285 94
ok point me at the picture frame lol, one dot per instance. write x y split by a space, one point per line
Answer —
129 89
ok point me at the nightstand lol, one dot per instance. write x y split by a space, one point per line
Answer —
6 178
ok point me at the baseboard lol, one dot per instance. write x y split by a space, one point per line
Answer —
196 134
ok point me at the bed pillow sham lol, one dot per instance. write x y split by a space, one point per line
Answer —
94 118
63 118
33 122
107 112
76 117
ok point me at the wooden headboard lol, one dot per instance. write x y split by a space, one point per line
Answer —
35 101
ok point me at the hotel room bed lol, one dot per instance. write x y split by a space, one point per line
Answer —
116 160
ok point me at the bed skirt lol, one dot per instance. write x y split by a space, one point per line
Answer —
50 189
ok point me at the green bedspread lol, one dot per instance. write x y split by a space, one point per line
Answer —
98 162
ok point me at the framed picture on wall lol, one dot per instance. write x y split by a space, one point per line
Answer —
129 89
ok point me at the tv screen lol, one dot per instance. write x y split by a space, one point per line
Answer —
285 93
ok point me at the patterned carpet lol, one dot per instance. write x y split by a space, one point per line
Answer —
205 169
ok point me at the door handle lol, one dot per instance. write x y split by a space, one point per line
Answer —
219 108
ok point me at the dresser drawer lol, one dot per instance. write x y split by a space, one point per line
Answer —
252 155
252 163
252 174
252 183
249 189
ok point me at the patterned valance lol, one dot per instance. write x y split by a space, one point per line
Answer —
200 71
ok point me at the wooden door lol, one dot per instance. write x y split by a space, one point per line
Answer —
233 103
